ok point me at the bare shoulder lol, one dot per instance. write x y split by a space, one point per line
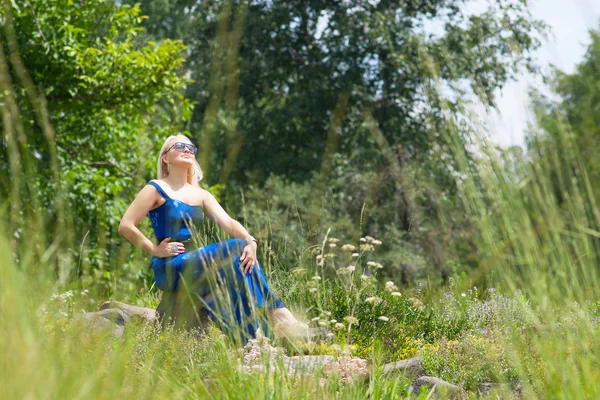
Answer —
203 194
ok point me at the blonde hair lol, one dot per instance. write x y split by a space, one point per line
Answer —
194 172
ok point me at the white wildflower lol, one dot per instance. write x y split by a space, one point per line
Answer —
316 278
390 286
363 240
333 321
351 268
369 239
333 240
313 290
396 294
339 325
348 247
463 295
351 320
377 242
372 300
332 245
366 247
383 318
315 319
355 255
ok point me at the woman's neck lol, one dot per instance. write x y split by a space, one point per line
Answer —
177 177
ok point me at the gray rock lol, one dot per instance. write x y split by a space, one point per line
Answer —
127 312
512 389
307 364
97 321
441 388
410 368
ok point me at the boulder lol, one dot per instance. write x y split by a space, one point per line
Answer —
512 389
441 389
126 312
104 321
410 368
308 364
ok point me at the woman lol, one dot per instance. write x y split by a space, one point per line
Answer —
226 275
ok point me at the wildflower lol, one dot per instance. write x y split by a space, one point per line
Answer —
348 247
355 255
333 240
333 321
463 295
383 318
364 277
366 247
372 300
323 323
332 245
374 264
298 271
319 257
84 292
339 325
66 295
313 290
351 268
315 319
377 242
369 239
316 278
351 320
363 240
396 294
390 286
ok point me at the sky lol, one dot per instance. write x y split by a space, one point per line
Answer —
570 22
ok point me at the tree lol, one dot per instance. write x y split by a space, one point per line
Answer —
272 74
108 97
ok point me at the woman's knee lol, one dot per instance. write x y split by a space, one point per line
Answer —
235 245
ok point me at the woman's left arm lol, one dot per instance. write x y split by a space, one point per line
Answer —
233 228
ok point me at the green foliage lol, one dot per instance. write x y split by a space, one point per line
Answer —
110 99
307 71
469 360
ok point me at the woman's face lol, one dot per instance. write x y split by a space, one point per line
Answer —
176 156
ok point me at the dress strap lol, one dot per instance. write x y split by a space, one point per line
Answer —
160 190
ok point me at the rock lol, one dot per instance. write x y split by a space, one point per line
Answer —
308 364
410 368
98 321
113 315
144 313
441 389
511 389
183 310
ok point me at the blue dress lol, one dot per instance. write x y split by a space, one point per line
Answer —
212 272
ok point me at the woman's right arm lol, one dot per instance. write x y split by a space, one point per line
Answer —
136 212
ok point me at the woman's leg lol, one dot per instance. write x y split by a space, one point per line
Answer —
286 325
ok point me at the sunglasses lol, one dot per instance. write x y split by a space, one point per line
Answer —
180 146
